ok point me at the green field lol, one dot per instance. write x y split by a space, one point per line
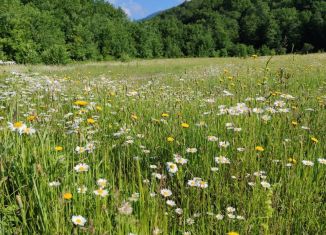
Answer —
182 146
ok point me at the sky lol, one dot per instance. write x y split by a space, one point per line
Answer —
138 9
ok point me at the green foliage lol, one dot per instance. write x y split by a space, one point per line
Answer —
56 54
32 31
307 47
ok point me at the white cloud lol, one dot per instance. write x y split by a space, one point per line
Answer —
127 11
130 7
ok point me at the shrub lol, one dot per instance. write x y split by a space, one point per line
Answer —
307 47
56 54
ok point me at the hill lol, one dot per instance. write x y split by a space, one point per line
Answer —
151 16
59 31
235 27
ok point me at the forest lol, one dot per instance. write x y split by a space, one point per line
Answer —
60 31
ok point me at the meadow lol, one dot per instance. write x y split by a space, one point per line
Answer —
181 146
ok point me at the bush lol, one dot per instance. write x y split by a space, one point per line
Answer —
56 54
27 55
240 50
124 57
307 47
281 51
3 55
251 50
265 50
223 52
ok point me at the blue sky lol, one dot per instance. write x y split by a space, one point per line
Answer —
137 9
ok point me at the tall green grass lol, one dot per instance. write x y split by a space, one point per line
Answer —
132 97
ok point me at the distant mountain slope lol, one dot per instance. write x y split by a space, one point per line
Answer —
207 27
151 15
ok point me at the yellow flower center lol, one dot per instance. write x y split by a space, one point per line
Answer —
18 124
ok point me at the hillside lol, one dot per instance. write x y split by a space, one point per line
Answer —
206 27
59 31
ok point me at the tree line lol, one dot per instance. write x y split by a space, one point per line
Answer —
61 31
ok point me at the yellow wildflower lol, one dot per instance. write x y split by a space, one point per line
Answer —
185 125
292 160
134 117
90 121
67 196
232 233
315 140
58 148
259 148
81 103
31 118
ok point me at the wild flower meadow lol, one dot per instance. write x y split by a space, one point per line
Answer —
185 146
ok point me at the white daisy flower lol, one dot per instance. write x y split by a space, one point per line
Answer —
166 192
101 183
307 163
219 216
180 160
78 220
81 167
212 138
191 150
54 184
202 184
179 211
224 144
80 150
171 167
214 169
101 192
230 209
82 189
265 184
322 161
192 183
222 160
125 209
170 203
